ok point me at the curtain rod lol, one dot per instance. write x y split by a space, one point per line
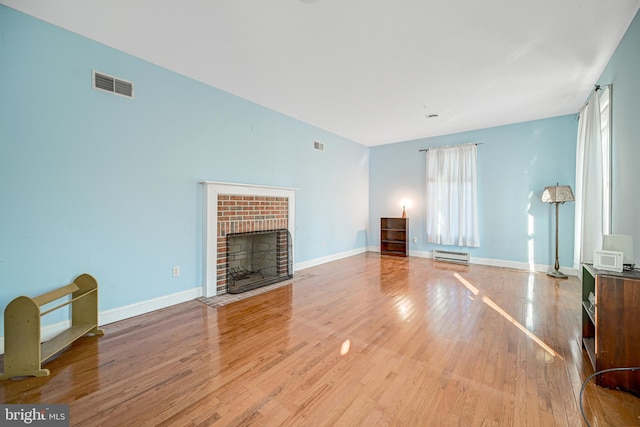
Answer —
447 146
595 90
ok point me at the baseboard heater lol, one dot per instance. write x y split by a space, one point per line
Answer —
459 257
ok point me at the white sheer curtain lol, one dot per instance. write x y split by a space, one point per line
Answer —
592 217
452 201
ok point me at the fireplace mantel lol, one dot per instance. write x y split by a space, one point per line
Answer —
212 189
227 187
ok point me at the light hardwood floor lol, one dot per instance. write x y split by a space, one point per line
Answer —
364 341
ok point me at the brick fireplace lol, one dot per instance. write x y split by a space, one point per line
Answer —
247 218
240 208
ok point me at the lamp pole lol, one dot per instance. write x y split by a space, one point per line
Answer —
557 265
557 273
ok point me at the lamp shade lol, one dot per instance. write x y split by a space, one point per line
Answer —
557 194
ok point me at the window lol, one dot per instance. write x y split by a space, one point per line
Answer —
452 204
605 127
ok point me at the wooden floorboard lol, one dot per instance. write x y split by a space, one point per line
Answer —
368 340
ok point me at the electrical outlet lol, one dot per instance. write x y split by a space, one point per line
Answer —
415 240
176 271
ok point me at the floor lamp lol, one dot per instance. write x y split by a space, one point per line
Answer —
557 195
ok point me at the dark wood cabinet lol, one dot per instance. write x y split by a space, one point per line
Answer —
611 325
394 235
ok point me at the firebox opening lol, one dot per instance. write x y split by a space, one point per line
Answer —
257 259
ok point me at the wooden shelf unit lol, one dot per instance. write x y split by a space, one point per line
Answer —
394 235
24 350
610 332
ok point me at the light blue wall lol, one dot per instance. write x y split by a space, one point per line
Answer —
93 182
623 72
515 163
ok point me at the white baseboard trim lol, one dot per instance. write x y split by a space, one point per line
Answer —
326 259
421 254
114 315
537 268
143 307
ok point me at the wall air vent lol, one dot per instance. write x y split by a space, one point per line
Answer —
318 146
111 84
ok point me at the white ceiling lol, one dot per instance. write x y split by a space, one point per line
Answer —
370 70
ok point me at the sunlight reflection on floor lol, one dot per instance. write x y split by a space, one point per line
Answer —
488 301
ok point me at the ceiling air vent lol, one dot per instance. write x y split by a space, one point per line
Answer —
111 84
318 146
